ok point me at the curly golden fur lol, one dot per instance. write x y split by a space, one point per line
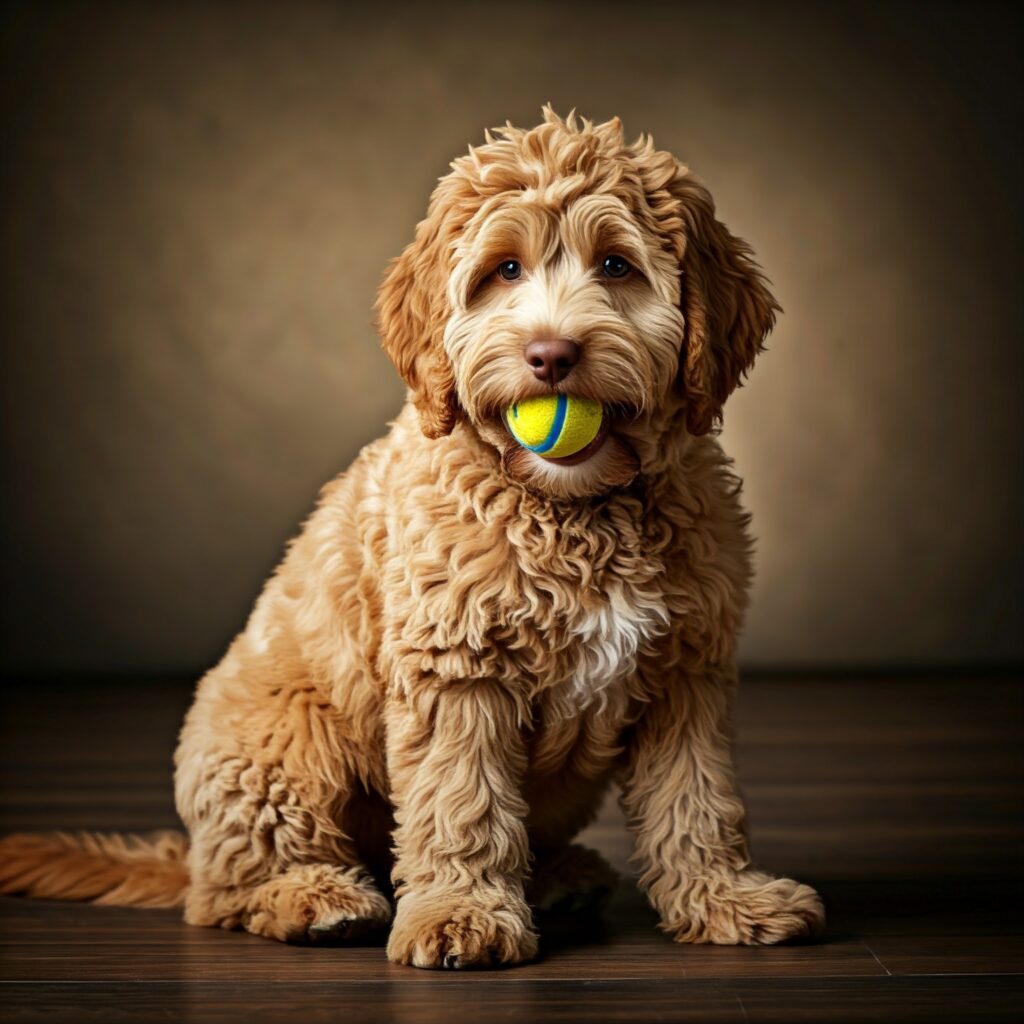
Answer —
468 643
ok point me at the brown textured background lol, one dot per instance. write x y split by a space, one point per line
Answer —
197 202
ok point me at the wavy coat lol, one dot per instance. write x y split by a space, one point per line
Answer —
466 645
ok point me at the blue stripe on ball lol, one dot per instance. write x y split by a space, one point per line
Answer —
555 432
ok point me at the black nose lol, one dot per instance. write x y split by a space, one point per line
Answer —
551 359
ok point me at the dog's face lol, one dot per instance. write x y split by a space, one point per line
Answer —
563 259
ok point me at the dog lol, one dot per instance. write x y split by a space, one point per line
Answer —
468 643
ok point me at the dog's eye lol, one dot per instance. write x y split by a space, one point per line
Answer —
510 270
615 266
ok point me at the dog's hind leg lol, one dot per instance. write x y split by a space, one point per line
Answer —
576 756
575 879
308 903
267 860
268 772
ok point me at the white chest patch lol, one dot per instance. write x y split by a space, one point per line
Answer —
610 637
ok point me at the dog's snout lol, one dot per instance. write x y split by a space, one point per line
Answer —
551 359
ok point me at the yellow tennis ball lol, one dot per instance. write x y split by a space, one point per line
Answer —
555 425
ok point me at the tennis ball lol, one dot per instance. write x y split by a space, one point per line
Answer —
554 425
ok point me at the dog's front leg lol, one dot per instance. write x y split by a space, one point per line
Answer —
456 759
681 802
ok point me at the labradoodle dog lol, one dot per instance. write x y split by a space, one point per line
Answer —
468 643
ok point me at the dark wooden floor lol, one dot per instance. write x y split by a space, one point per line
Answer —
899 798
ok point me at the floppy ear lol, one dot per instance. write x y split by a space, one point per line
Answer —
412 310
726 305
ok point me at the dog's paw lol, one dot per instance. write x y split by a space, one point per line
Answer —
575 880
319 904
444 930
748 909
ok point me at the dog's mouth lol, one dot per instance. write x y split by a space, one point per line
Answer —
614 415
586 452
608 460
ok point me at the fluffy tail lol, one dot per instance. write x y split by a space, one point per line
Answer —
124 871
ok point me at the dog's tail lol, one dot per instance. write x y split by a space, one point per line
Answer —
125 871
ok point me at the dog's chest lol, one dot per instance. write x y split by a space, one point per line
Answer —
587 608
559 606
606 639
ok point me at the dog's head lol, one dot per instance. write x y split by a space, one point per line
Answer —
564 259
